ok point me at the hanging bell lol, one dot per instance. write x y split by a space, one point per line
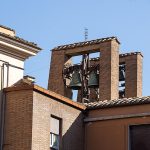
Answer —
93 80
121 75
122 93
75 83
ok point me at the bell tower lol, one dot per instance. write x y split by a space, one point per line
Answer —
108 70
110 76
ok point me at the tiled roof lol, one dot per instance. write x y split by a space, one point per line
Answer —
120 55
7 28
131 53
20 40
118 102
25 84
86 43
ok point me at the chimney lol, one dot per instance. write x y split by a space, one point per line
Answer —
29 78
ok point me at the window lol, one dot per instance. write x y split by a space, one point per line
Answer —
139 137
54 141
54 133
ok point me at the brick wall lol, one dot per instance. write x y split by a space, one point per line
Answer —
106 132
133 79
109 68
27 122
134 66
72 125
109 72
18 120
56 83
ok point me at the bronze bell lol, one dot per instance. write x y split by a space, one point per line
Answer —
75 83
93 80
121 75
122 93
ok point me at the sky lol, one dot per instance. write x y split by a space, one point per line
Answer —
50 23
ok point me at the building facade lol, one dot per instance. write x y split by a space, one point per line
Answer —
34 118
31 117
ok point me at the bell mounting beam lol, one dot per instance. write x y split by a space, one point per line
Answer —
85 68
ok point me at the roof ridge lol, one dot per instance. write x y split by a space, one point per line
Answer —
22 82
118 102
131 53
122 55
25 84
90 42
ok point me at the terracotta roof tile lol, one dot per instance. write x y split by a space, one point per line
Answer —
80 44
120 55
25 84
20 40
118 102
7 28
131 53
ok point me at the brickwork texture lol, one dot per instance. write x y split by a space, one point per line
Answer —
27 122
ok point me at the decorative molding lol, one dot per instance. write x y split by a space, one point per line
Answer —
116 117
15 48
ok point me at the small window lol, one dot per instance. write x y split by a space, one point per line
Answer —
139 137
54 141
54 133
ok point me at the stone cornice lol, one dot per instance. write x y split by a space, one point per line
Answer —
16 48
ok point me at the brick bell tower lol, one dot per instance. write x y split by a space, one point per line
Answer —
110 63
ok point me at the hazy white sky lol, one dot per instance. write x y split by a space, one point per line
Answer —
50 23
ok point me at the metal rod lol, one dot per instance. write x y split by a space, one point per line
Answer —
2 108
3 101
11 65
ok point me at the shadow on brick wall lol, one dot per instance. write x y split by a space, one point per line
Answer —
73 139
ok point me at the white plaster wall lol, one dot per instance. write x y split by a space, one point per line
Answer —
12 60
14 74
